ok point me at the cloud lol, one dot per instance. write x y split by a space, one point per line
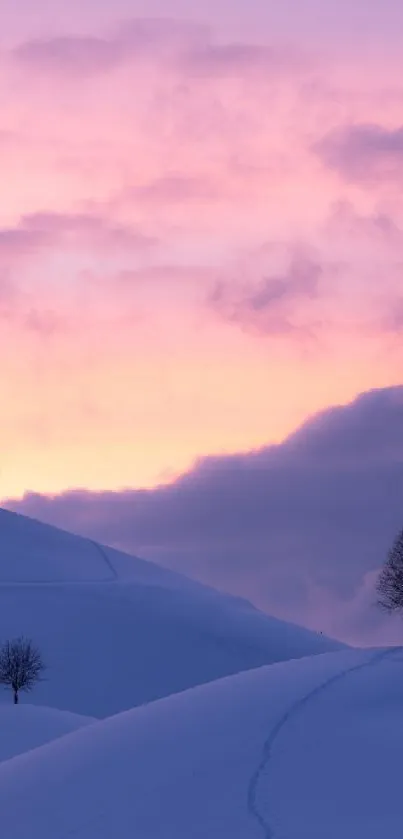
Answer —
190 47
20 240
364 152
91 228
300 528
78 56
85 56
393 322
270 306
378 227
31 296
40 230
45 322
175 188
217 60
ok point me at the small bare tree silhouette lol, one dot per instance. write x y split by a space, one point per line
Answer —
21 665
390 581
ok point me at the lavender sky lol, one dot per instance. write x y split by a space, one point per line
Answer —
201 246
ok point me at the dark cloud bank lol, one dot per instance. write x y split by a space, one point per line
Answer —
300 528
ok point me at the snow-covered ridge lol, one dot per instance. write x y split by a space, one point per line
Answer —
33 552
116 631
309 747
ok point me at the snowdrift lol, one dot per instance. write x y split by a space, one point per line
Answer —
309 748
116 631
24 727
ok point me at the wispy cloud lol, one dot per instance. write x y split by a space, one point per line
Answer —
220 60
191 47
86 56
174 188
270 305
45 229
364 152
393 321
37 303
46 322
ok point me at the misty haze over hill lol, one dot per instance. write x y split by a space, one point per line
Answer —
300 528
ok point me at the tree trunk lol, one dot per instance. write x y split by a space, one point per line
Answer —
16 697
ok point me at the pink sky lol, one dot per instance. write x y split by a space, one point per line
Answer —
201 229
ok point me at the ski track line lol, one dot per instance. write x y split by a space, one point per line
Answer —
114 576
105 557
253 788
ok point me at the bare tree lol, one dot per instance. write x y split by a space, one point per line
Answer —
21 665
390 581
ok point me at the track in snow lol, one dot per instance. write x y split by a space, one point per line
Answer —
111 578
253 788
106 559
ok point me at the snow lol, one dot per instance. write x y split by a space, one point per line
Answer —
24 727
117 631
309 749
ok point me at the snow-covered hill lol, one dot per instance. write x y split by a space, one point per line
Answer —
116 631
309 749
26 727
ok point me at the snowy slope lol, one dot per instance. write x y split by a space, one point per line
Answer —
116 631
307 749
24 727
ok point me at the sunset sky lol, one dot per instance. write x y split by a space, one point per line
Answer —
201 228
201 232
